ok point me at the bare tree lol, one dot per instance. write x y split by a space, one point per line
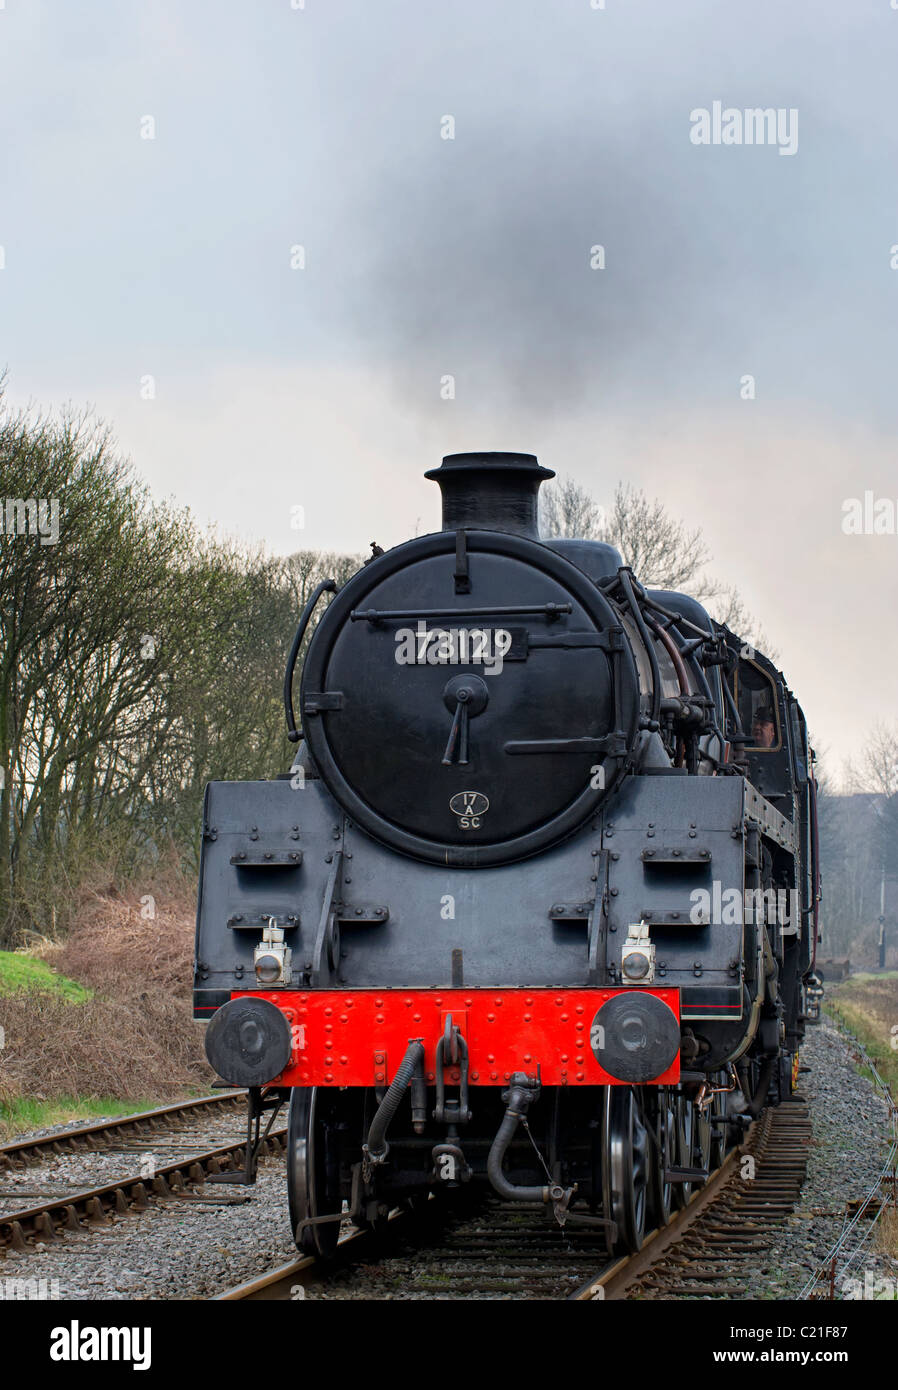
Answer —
567 509
726 606
879 760
860 860
662 552
879 774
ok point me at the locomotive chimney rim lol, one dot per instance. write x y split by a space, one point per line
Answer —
491 492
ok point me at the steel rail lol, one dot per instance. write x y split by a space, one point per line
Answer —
280 1283
21 1152
283 1282
619 1275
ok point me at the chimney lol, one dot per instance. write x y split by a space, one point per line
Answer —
490 492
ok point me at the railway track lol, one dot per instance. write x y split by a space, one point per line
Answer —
84 1206
493 1251
500 1252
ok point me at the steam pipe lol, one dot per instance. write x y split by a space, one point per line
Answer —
739 734
673 652
678 618
624 578
520 1098
377 1147
521 1095
697 667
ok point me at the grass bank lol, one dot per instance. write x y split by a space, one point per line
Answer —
868 1006
25 974
23 1113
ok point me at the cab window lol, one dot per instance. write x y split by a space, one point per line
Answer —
758 708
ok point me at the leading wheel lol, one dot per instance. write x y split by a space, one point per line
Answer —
313 1170
625 1165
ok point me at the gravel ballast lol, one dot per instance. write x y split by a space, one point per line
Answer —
850 1140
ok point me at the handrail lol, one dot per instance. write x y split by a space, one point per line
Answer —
376 615
327 586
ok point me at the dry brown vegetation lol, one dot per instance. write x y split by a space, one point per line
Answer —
135 1039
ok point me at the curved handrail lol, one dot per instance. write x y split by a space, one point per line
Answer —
327 586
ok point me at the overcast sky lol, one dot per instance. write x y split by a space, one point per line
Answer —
321 126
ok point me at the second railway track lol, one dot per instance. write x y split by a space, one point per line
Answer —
106 1134
48 1183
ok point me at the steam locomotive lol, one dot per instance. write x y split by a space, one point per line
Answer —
535 907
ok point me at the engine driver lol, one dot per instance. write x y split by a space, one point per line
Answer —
763 729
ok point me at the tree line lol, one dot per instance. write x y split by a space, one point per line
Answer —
139 658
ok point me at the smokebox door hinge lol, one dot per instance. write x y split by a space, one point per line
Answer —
318 701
